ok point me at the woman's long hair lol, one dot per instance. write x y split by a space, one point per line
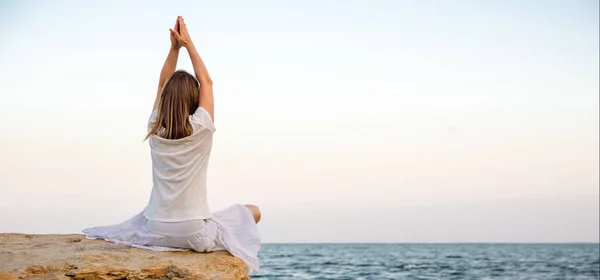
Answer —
179 99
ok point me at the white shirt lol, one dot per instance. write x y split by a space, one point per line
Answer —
179 172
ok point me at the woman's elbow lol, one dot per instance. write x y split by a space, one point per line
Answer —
206 82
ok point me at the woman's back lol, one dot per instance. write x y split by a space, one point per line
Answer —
179 169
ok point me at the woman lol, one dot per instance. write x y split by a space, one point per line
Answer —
180 133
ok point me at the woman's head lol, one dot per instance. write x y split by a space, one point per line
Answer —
179 99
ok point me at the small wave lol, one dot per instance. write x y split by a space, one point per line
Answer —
412 266
313 255
454 257
457 273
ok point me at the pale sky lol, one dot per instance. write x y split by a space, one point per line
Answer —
345 121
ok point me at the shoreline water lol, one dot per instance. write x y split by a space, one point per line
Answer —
436 261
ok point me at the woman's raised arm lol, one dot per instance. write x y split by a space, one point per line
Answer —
170 64
206 86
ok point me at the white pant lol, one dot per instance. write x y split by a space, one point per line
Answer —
176 228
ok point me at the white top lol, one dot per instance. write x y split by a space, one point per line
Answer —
179 172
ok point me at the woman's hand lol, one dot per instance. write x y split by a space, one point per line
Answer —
181 34
174 42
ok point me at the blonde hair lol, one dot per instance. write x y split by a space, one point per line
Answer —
179 99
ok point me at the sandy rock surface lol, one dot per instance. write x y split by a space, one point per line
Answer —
48 257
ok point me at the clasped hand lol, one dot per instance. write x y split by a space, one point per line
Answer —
180 37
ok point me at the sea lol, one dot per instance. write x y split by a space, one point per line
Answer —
429 261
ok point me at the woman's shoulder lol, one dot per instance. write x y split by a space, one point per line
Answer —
202 118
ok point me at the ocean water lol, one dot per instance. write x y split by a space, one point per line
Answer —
430 261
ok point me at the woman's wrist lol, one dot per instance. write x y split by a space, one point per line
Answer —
189 46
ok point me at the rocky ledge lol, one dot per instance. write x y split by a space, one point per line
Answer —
72 257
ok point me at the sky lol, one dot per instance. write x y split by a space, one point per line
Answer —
345 121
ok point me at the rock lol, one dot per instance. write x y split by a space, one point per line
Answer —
72 257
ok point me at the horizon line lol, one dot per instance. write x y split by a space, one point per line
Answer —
383 242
